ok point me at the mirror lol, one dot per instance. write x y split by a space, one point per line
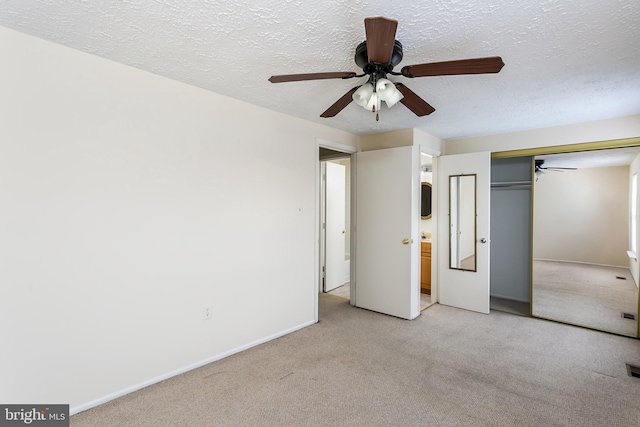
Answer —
582 273
462 222
425 201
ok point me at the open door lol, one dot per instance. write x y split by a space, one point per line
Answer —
387 231
335 227
464 184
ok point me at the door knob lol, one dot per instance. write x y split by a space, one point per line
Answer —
406 241
344 231
483 240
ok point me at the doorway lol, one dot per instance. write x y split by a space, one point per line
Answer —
336 227
426 230
335 218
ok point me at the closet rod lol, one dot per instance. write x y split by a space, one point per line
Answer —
511 184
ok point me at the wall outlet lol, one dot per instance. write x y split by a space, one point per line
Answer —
206 312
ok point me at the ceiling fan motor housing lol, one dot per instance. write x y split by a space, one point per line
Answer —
362 58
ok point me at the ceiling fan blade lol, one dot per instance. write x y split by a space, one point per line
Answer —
413 102
381 35
340 104
491 64
311 76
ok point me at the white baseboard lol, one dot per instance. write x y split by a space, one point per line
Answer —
92 404
582 262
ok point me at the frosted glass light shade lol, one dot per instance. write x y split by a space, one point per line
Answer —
374 101
393 100
363 95
370 99
385 89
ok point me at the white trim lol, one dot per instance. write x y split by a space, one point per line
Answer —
316 249
336 146
430 151
626 267
347 149
92 404
354 226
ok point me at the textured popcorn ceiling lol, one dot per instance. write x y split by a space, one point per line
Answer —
567 61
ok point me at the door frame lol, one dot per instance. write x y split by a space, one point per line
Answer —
328 218
559 149
349 151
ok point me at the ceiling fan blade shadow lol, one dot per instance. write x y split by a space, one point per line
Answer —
413 102
311 76
340 104
381 36
491 64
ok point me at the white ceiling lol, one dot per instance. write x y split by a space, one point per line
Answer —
566 61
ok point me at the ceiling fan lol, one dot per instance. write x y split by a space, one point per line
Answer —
539 167
539 170
377 56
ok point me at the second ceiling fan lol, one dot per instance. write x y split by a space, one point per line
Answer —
539 167
377 56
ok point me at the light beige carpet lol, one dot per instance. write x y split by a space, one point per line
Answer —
345 292
449 367
342 291
585 294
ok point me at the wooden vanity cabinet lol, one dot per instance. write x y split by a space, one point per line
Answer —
425 267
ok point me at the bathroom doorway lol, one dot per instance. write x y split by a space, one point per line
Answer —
426 230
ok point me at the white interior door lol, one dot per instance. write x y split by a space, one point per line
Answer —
387 231
335 231
458 287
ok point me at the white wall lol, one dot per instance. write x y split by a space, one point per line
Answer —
582 216
128 202
379 141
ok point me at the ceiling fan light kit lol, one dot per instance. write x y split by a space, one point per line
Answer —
377 56
370 99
